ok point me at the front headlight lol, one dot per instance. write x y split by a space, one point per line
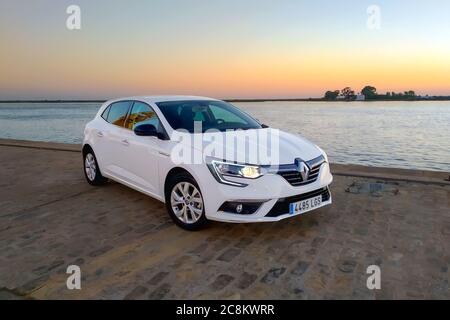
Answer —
236 170
222 169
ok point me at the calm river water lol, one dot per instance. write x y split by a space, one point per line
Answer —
413 135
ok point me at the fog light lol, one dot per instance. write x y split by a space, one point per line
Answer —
240 207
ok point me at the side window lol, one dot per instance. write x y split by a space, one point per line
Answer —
118 112
105 113
226 115
142 113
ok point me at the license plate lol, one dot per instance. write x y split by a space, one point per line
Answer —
305 205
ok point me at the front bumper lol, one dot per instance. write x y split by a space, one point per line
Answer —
270 190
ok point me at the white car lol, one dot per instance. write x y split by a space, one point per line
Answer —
146 143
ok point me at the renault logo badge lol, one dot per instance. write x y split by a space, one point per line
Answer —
302 168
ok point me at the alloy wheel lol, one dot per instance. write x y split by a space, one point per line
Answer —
186 202
90 166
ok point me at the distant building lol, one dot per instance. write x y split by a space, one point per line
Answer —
360 97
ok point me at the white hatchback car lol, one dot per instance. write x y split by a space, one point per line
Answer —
146 144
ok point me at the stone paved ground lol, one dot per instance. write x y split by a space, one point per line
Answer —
127 247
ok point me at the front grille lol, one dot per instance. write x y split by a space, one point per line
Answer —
291 174
282 205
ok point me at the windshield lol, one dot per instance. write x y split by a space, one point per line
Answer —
216 115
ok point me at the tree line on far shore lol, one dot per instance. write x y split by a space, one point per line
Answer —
370 93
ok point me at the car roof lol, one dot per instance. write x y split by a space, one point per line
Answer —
156 99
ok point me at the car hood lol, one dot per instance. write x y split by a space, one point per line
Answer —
248 142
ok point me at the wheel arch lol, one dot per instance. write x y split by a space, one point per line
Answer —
86 148
171 173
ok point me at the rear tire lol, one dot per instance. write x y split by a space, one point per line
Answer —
184 202
92 170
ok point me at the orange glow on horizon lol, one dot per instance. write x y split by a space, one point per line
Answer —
90 64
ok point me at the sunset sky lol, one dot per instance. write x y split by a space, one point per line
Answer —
221 48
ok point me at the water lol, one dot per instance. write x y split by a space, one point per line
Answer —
55 122
413 135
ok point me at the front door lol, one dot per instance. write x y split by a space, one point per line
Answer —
143 153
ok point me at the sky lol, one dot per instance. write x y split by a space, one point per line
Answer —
222 48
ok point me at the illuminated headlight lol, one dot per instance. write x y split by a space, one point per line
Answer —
236 170
221 170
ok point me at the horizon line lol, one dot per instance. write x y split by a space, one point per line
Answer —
422 98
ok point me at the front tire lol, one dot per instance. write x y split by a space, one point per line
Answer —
184 202
92 170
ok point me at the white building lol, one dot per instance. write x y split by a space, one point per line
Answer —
360 97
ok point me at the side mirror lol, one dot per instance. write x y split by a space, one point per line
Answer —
146 130
264 126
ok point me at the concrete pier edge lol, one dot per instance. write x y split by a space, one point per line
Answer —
394 174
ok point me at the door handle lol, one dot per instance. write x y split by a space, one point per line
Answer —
125 142
100 134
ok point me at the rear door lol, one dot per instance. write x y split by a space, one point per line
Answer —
112 139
